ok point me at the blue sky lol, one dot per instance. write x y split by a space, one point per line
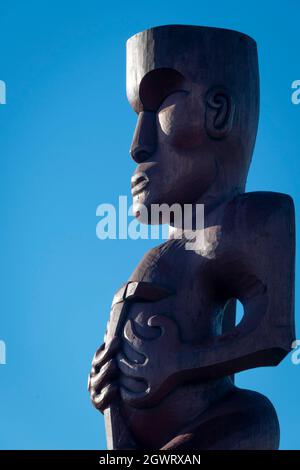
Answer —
65 129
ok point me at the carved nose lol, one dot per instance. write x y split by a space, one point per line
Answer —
144 139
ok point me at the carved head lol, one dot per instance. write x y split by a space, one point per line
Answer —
196 94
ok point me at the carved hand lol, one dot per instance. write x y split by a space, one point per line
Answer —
102 379
160 371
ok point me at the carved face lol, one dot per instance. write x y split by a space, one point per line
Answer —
174 142
196 92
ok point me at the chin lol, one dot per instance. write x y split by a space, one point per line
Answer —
142 204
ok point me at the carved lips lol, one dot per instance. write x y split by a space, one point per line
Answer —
138 182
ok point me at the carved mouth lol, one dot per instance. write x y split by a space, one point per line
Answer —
138 182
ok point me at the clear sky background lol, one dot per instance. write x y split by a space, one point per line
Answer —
64 138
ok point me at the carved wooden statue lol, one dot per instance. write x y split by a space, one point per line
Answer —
164 374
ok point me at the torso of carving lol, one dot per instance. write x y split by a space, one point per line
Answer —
196 305
196 309
201 282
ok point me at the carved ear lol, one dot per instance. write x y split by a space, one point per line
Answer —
219 112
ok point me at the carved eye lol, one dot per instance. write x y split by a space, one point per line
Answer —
171 112
180 119
172 99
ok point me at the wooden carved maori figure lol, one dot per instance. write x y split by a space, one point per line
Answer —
164 376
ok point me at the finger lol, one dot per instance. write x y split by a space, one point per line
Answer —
100 349
106 397
104 347
107 372
107 354
167 324
128 368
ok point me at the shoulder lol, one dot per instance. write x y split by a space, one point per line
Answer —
260 210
